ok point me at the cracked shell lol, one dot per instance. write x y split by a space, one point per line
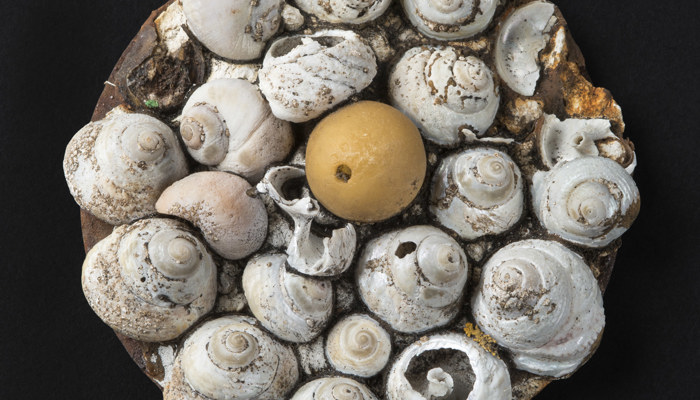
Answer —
450 19
150 280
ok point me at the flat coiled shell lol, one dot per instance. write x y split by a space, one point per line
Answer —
358 345
334 388
450 19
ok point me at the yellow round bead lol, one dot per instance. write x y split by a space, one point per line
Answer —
365 162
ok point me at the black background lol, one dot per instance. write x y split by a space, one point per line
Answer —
55 56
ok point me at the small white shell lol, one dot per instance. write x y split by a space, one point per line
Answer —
150 280
345 11
235 29
303 76
358 345
228 125
477 192
445 94
541 301
490 379
589 201
572 138
309 253
413 278
292 307
450 19
218 204
230 358
521 38
334 388
117 167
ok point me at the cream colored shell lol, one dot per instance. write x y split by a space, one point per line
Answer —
226 124
231 358
345 11
304 76
358 345
520 39
413 278
450 19
233 222
447 95
541 301
334 388
235 29
117 167
490 379
150 280
590 201
293 307
477 192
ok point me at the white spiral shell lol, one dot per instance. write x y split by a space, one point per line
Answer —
450 19
235 29
358 345
345 11
445 94
303 76
477 192
228 125
590 201
413 278
230 358
489 379
150 280
522 36
293 307
541 301
117 167
334 388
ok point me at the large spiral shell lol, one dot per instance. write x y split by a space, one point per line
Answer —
117 167
358 345
304 76
413 278
541 301
345 11
488 379
334 388
292 307
445 94
227 124
150 280
235 29
230 358
450 19
589 201
477 192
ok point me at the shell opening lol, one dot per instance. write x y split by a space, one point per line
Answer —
441 374
405 249
343 173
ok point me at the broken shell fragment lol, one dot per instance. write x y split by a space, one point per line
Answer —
293 307
150 280
572 138
477 192
487 380
590 201
358 345
334 388
231 358
450 19
234 29
345 11
117 167
308 252
303 76
520 39
413 278
233 223
446 94
541 301
228 125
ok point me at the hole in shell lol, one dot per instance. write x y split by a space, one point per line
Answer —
453 362
293 188
343 173
405 249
